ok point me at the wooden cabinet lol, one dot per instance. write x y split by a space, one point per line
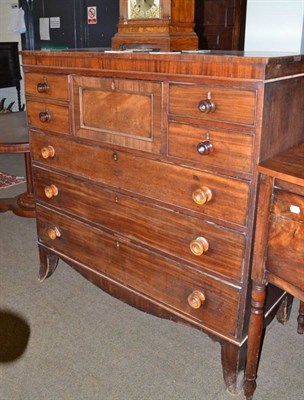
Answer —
220 24
144 175
279 245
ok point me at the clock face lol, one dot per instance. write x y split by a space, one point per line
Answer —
143 9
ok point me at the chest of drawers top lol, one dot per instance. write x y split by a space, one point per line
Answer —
223 64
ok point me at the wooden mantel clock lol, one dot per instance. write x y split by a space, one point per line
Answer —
167 25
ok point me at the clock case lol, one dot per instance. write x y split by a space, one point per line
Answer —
173 31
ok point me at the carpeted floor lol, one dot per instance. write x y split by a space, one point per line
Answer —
7 180
85 345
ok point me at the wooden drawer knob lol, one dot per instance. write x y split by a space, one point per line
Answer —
45 116
42 87
204 148
207 106
196 299
50 191
48 152
54 233
202 195
199 246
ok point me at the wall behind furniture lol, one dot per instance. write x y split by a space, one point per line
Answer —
6 36
275 25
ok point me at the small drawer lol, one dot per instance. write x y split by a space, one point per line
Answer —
46 85
48 116
194 191
175 234
288 205
168 283
285 257
224 149
227 105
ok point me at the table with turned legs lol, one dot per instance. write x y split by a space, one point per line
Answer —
278 247
14 139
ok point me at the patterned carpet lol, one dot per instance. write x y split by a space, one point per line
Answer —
7 180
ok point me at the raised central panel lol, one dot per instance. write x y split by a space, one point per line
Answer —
123 112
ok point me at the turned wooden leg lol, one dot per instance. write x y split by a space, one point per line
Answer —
233 364
301 318
48 263
255 331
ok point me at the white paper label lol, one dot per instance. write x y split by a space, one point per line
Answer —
295 209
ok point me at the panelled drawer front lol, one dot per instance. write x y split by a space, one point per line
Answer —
46 85
231 105
156 180
143 271
58 120
160 228
228 150
286 250
125 112
286 238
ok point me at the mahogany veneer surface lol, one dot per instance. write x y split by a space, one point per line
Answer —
144 175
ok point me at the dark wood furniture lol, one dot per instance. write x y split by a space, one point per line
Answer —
220 24
145 180
10 68
14 139
279 245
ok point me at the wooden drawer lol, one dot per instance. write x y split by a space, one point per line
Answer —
286 250
49 85
230 150
147 273
155 227
232 105
125 112
156 180
58 116
286 238
288 205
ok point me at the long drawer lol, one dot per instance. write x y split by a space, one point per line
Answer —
173 233
145 272
164 182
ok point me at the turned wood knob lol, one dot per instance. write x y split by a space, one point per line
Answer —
42 87
44 116
196 299
50 191
202 195
207 106
48 152
204 148
199 246
54 233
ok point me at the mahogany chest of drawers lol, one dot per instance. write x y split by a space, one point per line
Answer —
144 175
